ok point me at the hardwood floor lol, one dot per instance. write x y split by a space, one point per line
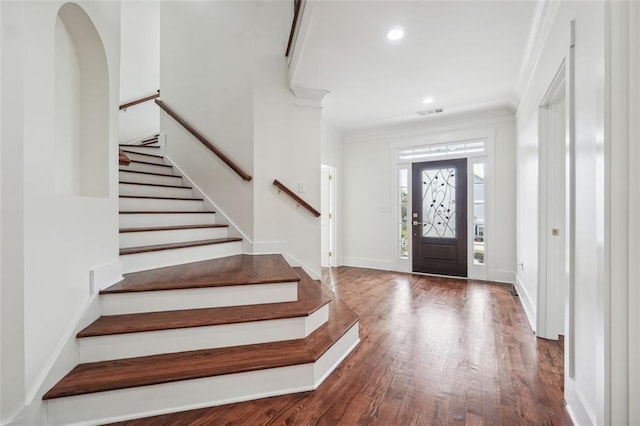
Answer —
434 351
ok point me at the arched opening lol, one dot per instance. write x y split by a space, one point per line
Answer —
82 106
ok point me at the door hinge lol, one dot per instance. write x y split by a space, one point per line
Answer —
330 216
330 177
330 254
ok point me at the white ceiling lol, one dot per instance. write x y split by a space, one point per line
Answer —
465 54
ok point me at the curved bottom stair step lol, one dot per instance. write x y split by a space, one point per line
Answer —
240 269
143 334
226 281
111 391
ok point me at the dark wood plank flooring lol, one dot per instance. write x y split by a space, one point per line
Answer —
434 351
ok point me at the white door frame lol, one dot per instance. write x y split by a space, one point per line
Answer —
553 205
482 272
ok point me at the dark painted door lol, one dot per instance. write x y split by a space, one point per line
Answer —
439 218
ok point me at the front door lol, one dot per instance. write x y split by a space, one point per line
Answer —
439 218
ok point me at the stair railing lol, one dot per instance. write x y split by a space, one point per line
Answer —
140 101
297 6
282 188
245 176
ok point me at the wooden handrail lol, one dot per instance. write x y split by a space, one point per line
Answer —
204 141
297 199
294 25
139 101
123 159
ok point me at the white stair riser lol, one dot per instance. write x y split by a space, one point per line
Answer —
156 205
145 401
142 167
162 219
139 239
144 178
147 158
144 150
155 191
196 298
162 258
102 348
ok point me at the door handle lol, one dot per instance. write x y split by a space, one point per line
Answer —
415 223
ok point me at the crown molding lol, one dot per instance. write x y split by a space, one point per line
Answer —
490 117
544 15
307 97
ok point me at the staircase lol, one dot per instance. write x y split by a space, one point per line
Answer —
195 323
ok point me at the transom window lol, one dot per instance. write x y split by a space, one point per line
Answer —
471 148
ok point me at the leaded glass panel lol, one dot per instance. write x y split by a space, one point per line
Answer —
439 203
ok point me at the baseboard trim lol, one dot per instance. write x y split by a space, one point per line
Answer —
576 406
527 303
359 262
105 275
316 275
64 358
266 247
503 276
234 230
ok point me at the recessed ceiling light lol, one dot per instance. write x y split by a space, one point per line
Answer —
395 34
428 100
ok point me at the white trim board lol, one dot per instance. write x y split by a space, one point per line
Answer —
359 262
544 15
527 303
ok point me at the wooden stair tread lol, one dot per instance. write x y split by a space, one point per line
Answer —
139 146
310 302
155 197
166 368
170 228
165 212
227 271
128 151
172 246
151 164
155 184
148 173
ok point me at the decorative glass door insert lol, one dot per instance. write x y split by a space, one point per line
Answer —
439 203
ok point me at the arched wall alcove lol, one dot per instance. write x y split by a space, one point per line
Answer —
81 106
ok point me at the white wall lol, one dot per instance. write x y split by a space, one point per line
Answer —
12 367
53 238
67 119
236 95
139 67
368 208
206 65
584 388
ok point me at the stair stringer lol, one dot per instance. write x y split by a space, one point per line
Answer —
61 362
248 245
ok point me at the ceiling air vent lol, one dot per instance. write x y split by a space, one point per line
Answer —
429 112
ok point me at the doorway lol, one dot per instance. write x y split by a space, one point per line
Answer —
439 217
553 213
327 217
